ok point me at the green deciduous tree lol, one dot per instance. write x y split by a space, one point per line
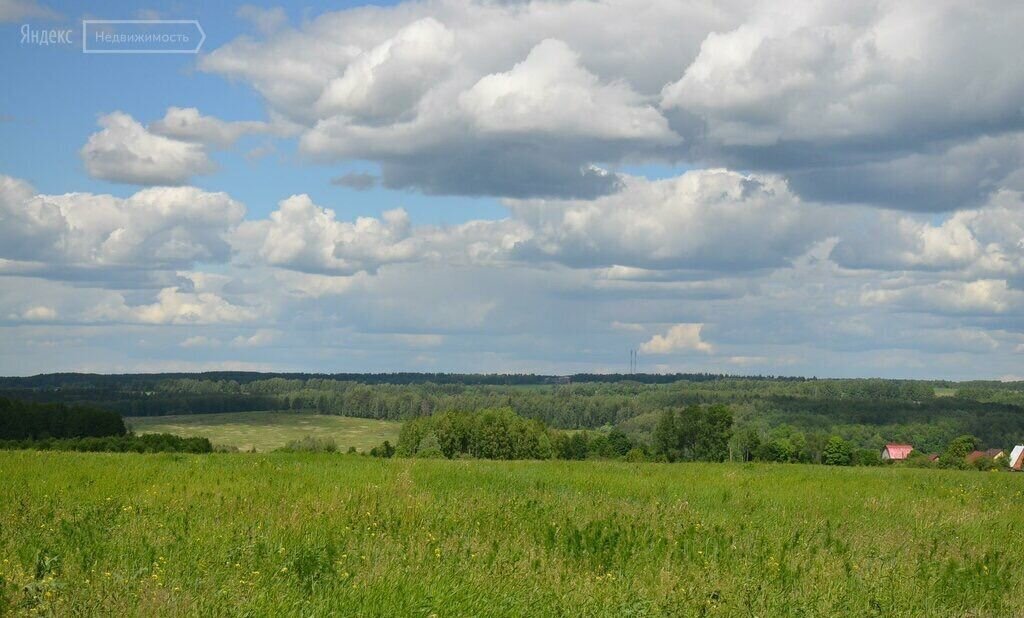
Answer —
837 452
696 433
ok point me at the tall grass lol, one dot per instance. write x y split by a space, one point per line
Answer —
307 534
266 431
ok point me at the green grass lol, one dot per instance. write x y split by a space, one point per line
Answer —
945 392
266 431
317 535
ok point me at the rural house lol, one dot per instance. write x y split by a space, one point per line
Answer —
896 452
1017 458
993 453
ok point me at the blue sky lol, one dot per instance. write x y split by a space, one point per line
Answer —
816 189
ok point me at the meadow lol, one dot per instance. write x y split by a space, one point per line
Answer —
318 534
266 431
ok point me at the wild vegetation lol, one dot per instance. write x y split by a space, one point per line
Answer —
149 443
695 433
21 420
308 530
774 418
266 431
307 534
58 427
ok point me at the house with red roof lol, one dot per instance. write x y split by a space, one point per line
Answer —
896 452
993 453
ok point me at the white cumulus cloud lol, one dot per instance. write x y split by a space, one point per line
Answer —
549 92
159 227
678 338
175 306
890 103
188 124
125 151
303 236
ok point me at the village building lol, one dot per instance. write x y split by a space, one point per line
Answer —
896 452
995 454
1017 458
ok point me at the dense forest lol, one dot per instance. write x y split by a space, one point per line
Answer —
694 433
60 427
792 417
21 420
141 380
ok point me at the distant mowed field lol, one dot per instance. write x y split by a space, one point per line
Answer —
317 535
266 431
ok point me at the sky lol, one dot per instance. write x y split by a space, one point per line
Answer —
817 188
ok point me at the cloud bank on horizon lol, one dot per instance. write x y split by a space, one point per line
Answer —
846 197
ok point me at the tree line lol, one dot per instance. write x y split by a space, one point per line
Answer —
146 381
693 433
697 433
774 419
503 434
20 420
147 443
55 426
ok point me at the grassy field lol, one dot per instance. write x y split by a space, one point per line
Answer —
316 535
266 431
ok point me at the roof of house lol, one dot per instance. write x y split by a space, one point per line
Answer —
974 456
899 451
994 452
1017 457
933 457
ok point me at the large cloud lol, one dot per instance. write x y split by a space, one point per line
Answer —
303 236
703 220
294 68
446 104
822 71
174 306
125 151
912 105
549 92
160 227
947 175
386 82
864 101
709 220
987 241
981 297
